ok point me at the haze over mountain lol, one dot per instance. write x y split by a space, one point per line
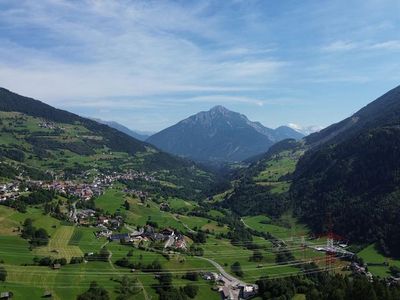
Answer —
137 135
219 135
306 130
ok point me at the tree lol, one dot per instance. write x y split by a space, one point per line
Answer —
191 290
127 205
257 256
95 292
128 288
104 254
192 276
237 269
40 238
3 274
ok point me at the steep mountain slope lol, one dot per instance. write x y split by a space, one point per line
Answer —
219 135
39 141
262 188
124 129
352 172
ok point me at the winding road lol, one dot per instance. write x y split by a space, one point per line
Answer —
234 281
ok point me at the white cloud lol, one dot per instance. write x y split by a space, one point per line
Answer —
342 46
105 49
339 46
387 45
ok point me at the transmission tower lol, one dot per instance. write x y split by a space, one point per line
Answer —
330 253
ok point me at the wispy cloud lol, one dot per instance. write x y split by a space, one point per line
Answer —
339 46
387 45
107 48
168 59
342 46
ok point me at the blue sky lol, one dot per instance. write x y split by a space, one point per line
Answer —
149 64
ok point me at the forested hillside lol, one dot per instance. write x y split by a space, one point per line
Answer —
353 174
262 188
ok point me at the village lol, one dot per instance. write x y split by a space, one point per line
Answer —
75 188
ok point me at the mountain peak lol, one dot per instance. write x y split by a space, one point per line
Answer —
220 109
218 135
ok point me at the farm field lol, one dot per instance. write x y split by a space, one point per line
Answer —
59 246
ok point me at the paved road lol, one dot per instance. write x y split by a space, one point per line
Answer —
234 281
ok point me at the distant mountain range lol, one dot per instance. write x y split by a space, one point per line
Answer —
306 130
219 135
135 134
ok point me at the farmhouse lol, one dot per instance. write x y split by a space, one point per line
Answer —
6 295
119 237
248 291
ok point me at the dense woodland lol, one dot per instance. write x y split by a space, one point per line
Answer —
357 183
317 285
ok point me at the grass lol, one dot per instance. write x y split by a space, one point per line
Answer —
375 261
15 250
39 219
223 252
140 213
261 223
111 201
8 226
84 238
177 203
279 165
59 246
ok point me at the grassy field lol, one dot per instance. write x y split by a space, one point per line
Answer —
223 252
261 223
59 246
8 226
111 201
177 203
140 213
375 261
276 167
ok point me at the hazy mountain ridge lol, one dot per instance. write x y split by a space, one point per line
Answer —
124 129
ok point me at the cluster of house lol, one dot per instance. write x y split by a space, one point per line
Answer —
361 270
85 191
393 280
170 238
132 175
87 217
142 195
228 290
48 125
9 191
